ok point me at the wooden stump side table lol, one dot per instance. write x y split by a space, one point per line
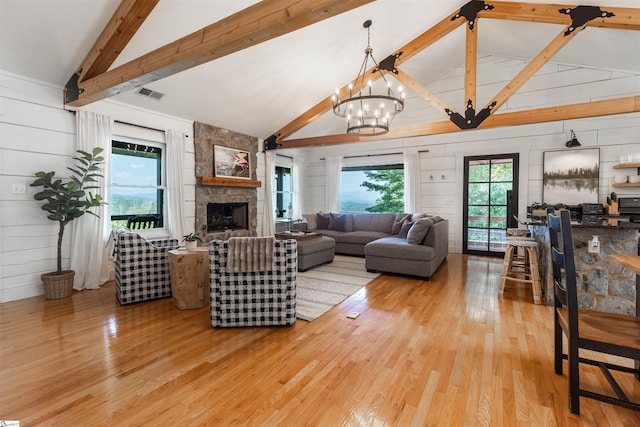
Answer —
189 271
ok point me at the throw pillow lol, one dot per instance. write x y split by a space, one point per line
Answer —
419 230
337 222
406 226
322 222
397 223
311 221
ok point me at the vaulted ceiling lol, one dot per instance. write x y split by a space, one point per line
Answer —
269 67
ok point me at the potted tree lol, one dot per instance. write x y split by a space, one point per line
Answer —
66 201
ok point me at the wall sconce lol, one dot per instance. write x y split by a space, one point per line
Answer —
573 142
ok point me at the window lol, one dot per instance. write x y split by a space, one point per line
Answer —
284 191
378 188
137 179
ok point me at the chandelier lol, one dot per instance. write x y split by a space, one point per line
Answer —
367 113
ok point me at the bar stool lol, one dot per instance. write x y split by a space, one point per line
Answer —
522 268
518 232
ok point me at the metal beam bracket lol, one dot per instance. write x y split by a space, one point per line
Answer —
388 64
580 15
271 142
471 120
470 12
71 90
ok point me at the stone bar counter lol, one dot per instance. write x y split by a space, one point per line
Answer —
602 284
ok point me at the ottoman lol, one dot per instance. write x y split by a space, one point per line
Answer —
316 251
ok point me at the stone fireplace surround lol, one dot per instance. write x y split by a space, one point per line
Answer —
205 137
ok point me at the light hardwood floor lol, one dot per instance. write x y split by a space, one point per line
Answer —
445 352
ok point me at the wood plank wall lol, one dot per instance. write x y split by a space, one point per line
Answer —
36 133
441 167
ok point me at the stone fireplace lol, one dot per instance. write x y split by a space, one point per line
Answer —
224 207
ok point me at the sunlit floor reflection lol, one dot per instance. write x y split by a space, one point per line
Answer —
482 281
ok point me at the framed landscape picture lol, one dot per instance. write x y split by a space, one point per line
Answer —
571 177
231 163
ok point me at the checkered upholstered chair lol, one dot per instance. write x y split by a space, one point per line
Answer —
257 298
142 267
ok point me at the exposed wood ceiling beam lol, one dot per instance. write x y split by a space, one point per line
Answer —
409 50
121 28
263 21
422 92
471 59
607 107
623 19
532 68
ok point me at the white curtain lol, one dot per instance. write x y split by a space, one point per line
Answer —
268 222
411 181
175 183
298 187
333 169
89 257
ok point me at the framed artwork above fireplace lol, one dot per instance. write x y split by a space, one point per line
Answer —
231 163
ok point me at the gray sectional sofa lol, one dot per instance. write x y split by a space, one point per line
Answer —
412 244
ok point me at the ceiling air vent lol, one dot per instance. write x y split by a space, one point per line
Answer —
149 93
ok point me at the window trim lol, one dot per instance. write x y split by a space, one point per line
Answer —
162 175
275 188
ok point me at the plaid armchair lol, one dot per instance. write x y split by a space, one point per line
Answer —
258 298
142 267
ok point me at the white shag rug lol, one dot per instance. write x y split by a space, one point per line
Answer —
321 288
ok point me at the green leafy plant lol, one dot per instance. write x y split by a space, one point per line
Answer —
68 200
191 237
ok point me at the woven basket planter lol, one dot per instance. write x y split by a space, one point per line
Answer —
58 286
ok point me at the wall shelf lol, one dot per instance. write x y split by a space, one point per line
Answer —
626 165
227 182
627 184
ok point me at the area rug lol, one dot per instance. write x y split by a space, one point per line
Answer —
321 288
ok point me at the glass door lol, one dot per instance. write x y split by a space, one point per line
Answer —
490 198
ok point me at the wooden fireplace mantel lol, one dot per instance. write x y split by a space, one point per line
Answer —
227 182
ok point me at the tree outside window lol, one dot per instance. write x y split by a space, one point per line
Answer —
377 188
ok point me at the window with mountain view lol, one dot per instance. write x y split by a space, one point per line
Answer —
136 182
378 188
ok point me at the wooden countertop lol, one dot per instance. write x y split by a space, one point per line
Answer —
632 262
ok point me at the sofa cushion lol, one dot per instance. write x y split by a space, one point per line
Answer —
311 221
406 226
360 237
421 228
397 223
381 222
397 247
337 222
322 221
335 235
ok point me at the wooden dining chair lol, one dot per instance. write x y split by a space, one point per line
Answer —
599 332
140 222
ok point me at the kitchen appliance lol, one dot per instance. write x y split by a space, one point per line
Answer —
630 206
592 209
